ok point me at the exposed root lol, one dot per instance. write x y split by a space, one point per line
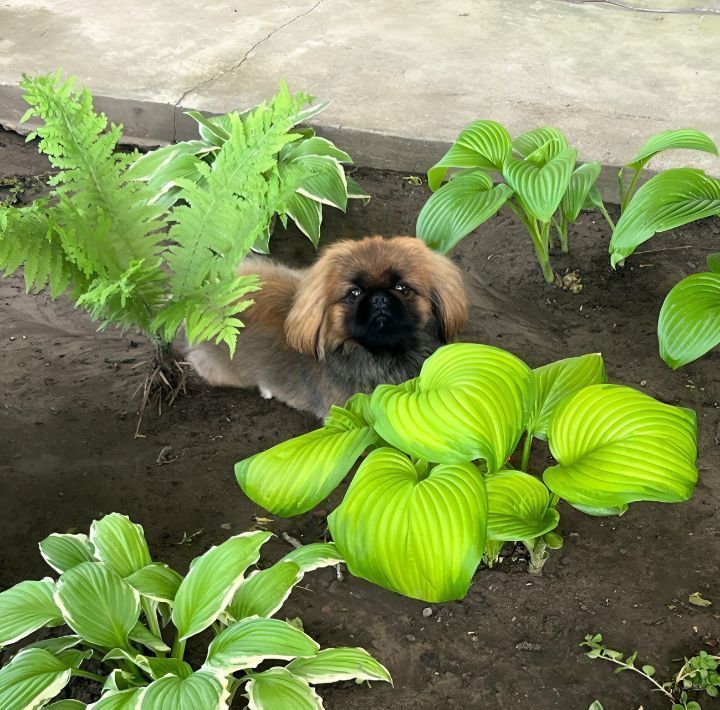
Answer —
164 381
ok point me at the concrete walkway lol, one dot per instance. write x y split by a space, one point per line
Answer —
404 76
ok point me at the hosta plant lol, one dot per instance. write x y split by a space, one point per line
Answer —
130 618
666 201
440 489
538 181
305 173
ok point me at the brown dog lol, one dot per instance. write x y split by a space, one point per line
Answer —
368 312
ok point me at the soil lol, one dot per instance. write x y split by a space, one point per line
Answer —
68 455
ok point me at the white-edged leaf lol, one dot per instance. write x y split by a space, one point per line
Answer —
201 691
307 214
325 182
279 689
668 200
213 580
354 191
128 699
557 380
156 581
57 644
32 678
483 144
313 556
97 604
66 705
64 551
27 607
615 445
458 208
332 665
689 322
120 544
294 476
315 146
265 591
683 138
247 643
518 507
160 667
469 402
412 531
141 634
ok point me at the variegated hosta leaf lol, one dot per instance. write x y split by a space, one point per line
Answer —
483 144
412 531
314 146
307 214
57 644
335 664
576 195
615 445
313 556
66 705
64 551
156 581
200 690
518 507
264 592
540 188
32 678
213 580
558 380
547 139
326 181
279 689
294 476
27 607
458 208
689 323
141 634
668 200
159 667
247 643
118 700
687 138
120 544
97 604
469 402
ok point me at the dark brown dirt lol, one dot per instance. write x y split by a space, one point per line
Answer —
67 455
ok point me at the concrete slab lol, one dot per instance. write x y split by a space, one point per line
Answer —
404 77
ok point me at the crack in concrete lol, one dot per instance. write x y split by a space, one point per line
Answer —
660 11
235 66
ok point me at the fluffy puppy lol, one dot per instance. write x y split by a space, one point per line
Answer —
367 312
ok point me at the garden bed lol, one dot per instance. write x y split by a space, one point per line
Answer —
68 455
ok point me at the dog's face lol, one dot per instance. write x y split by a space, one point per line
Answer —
378 294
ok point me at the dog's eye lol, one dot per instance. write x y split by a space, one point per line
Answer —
403 288
353 293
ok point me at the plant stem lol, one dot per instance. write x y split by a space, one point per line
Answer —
538 555
527 445
178 648
620 188
151 617
88 675
604 213
563 237
644 675
630 190
540 238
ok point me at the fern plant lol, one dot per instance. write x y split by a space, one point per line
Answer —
103 238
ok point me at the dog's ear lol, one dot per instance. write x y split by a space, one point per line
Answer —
305 325
448 296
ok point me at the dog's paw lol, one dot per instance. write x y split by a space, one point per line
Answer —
265 393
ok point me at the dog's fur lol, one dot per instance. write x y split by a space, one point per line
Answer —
367 312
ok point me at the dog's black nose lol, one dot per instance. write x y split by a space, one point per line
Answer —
379 300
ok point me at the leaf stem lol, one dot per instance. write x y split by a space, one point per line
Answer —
527 446
631 667
630 190
178 648
151 617
88 675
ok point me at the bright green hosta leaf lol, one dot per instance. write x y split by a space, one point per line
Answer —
336 664
307 214
97 604
713 262
458 208
279 689
615 445
469 402
120 544
325 182
264 592
27 607
200 691
668 200
547 140
687 138
32 678
418 533
294 476
689 323
540 188
62 552
247 643
118 700
518 507
578 191
483 144
213 580
57 644
314 556
156 581
558 380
